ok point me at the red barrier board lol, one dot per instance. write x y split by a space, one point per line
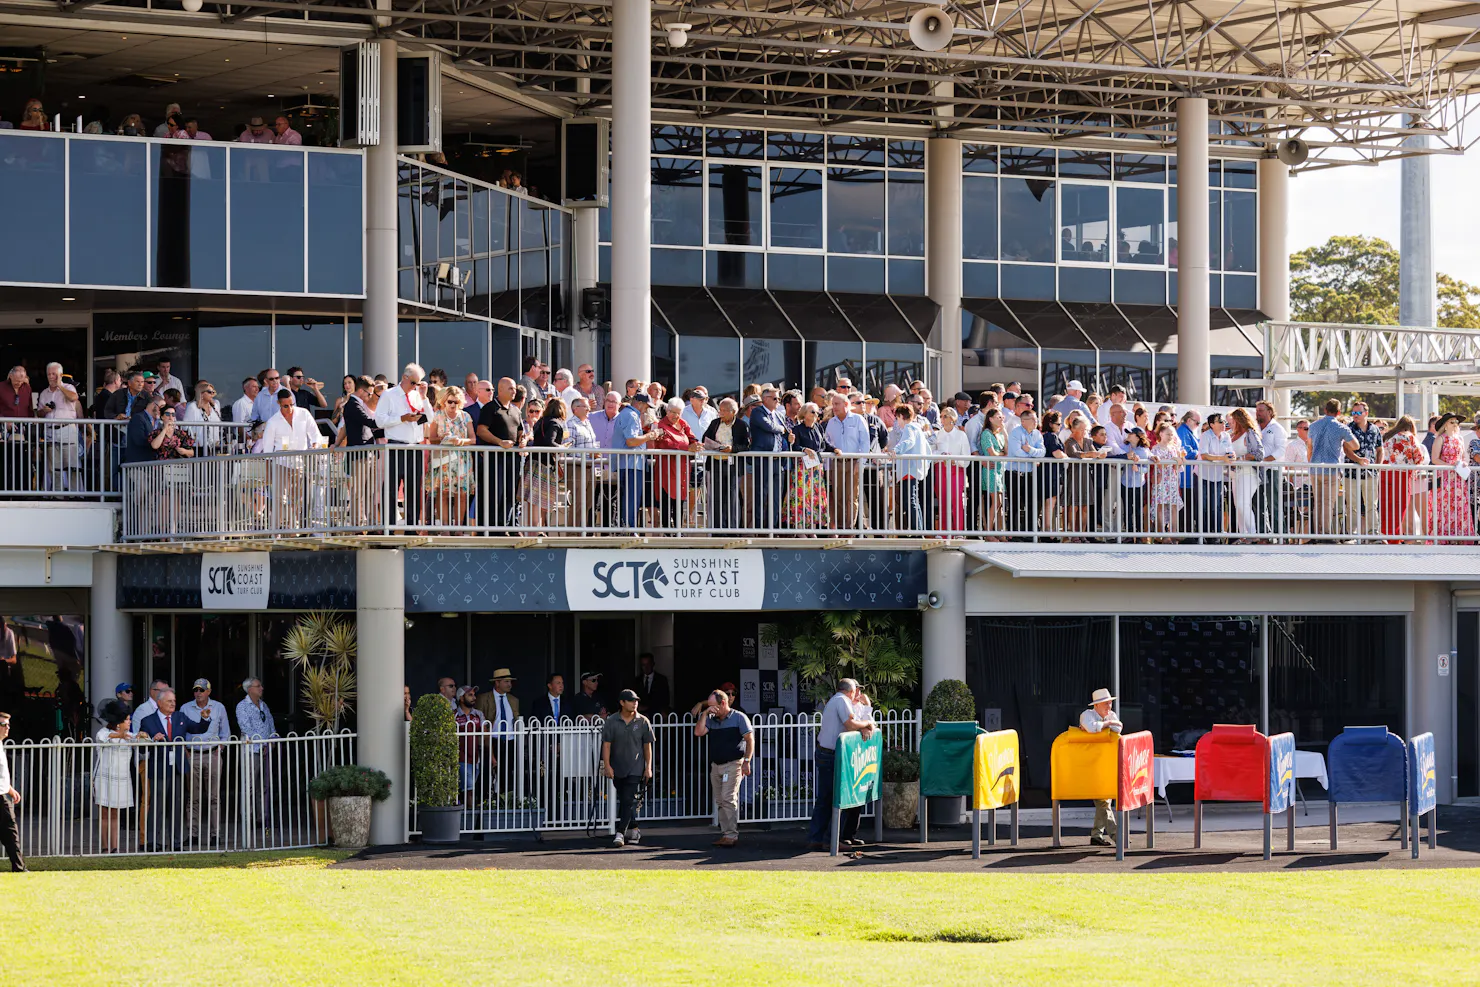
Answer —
1137 774
1232 764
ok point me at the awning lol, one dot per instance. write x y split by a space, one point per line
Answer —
754 313
876 318
1049 324
1342 562
1003 330
691 312
816 316
1105 326
920 311
1154 323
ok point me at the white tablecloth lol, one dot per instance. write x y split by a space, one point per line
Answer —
1172 770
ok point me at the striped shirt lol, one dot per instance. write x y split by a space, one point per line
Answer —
581 434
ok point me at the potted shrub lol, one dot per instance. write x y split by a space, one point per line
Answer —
901 789
434 770
949 702
349 789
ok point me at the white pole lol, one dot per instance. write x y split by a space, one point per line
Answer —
943 253
380 322
943 629
1417 286
381 673
631 195
1194 370
1274 254
109 643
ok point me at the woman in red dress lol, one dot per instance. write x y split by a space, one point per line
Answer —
1395 492
671 472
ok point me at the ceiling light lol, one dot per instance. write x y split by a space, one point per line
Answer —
272 95
191 6
228 59
828 51
82 97
68 298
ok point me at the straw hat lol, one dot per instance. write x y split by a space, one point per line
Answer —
1102 696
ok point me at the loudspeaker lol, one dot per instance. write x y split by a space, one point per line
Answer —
596 304
931 28
585 161
359 95
419 102
1293 151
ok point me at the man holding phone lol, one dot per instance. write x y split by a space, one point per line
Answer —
402 413
731 747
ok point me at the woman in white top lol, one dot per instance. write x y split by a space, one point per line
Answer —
1244 480
1297 450
113 786
204 411
950 475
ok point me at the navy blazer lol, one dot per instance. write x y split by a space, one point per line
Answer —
359 424
180 726
767 429
136 447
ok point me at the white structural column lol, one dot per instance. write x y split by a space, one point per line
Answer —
631 195
943 252
1194 369
109 643
1430 634
1417 286
381 243
584 232
943 628
381 675
1274 252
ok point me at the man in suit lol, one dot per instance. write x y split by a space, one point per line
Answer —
769 432
650 685
141 425
544 749
551 706
168 766
498 473
499 705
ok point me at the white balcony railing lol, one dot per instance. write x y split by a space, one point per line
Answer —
438 490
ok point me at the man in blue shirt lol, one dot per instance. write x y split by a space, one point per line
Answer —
1330 442
1024 444
769 433
631 470
1187 435
847 433
910 446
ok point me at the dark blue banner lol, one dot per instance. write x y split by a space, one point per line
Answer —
1424 790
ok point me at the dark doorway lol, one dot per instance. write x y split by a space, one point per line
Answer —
35 348
1466 673
607 645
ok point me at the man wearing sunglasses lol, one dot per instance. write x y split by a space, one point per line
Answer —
254 722
266 404
204 750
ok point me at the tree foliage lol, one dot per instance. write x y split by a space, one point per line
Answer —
881 650
1355 280
434 752
322 647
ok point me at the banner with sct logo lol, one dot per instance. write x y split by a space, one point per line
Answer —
235 580
674 580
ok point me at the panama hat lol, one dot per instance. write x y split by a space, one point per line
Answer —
502 673
1102 696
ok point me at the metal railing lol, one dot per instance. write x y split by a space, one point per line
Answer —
400 490
81 458
540 775
84 798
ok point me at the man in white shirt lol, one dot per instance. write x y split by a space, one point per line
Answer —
402 412
167 380
204 783
564 385
1275 440
1115 399
290 430
241 408
1101 716
1010 417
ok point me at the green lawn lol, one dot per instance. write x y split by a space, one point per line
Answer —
295 919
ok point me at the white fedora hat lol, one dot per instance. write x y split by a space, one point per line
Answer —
1102 696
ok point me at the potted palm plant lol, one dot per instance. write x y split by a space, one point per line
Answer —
901 789
321 647
349 789
434 770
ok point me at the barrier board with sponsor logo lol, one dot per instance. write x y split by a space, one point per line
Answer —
1423 792
857 771
235 580
1083 766
1136 787
673 579
996 772
1366 765
1279 789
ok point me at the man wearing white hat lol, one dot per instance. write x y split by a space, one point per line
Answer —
1101 716
1071 400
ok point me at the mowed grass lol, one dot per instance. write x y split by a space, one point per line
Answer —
297 919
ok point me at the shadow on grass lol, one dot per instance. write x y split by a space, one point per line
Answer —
1031 858
191 861
1334 860
1194 858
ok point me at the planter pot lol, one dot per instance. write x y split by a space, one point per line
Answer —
323 820
946 810
349 817
439 824
503 820
901 804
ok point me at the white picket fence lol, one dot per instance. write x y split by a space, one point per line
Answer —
85 798
543 776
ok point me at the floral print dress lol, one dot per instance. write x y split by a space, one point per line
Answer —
1449 501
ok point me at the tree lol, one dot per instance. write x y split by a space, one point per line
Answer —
1354 280
322 646
881 650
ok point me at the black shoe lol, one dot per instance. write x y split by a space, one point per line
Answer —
1101 841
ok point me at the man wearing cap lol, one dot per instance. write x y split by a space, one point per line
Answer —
123 694
470 724
588 703
257 132
205 762
627 759
1071 401
731 747
1098 717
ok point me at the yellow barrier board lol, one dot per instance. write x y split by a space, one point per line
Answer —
1085 765
995 769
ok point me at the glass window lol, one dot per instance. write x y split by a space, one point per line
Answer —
405 350
794 272
355 364
788 146
531 223
1084 224
189 221
978 217
1146 168
735 269
33 197
108 197
1084 284
317 347
480 217
1240 232
843 149
735 205
452 230
906 277
979 159
893 363
1032 161
604 264
671 139
663 355
907 154
1028 220
864 275
907 214
1240 291
713 361
1027 282
678 202
855 211
796 208
684 267
1215 228
1084 164
1215 172
229 353
1134 287
826 362
456 347
267 219
336 223
729 143
778 361
979 280
1140 223
1240 174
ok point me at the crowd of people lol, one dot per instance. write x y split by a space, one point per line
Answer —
174 124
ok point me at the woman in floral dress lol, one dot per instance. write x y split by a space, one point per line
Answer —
1166 489
452 472
1395 492
1449 501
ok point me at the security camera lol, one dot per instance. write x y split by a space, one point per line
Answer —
39 320
678 34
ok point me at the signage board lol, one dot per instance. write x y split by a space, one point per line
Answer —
664 579
235 580
1423 792
1137 771
1281 773
995 770
856 772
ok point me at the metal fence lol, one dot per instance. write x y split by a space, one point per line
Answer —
80 458
558 492
539 775
86 798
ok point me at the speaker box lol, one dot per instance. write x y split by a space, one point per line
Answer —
585 162
596 304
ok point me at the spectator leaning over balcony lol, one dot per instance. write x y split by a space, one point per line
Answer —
671 472
1330 442
628 433
257 132
582 480
908 446
142 425
204 410
727 434
171 117
204 787
1272 439
731 746
284 133
241 408
1361 484
498 472
452 470
291 429
698 413
191 131
265 405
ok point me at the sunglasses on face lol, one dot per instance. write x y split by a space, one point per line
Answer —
197 691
